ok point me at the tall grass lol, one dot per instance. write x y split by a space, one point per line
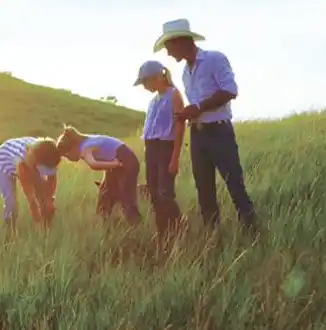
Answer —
85 275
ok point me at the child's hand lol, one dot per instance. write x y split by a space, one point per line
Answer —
50 208
115 163
174 167
35 211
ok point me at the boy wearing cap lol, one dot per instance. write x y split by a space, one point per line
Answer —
210 86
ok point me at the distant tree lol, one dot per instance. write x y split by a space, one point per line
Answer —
65 90
110 98
7 73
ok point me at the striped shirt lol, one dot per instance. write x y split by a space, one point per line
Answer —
12 151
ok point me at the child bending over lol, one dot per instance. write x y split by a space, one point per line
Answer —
115 158
33 162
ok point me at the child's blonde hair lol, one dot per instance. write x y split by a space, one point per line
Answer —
68 139
168 76
46 152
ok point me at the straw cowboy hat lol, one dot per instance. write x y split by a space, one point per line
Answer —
174 29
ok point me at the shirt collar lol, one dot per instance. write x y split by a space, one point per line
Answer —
200 56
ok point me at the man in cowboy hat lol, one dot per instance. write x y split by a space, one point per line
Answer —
210 86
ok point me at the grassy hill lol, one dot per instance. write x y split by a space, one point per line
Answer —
28 109
85 275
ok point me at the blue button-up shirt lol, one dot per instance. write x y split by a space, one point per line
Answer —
211 72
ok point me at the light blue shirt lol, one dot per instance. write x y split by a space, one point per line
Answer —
211 72
106 146
159 122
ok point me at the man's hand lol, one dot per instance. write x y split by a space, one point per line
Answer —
188 112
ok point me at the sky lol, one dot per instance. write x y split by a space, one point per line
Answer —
277 48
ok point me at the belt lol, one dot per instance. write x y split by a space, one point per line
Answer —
200 126
158 140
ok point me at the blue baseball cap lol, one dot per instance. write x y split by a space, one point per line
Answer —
148 69
46 171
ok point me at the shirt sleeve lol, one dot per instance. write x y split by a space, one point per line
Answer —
223 73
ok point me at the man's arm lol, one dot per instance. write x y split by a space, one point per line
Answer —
98 165
26 180
224 77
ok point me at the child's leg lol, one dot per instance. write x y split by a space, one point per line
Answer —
167 193
128 184
8 193
152 181
128 197
107 194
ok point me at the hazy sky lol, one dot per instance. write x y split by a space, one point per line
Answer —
92 47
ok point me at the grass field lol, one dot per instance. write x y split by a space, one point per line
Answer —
85 276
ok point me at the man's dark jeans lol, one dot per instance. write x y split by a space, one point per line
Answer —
214 146
161 183
120 186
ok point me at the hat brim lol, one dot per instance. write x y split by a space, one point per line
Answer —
140 81
46 171
137 82
159 44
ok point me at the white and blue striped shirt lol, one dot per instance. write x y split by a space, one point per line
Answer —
12 151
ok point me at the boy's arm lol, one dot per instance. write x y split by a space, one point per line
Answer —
95 165
51 186
41 192
26 179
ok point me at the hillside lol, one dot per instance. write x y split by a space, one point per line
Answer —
28 109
